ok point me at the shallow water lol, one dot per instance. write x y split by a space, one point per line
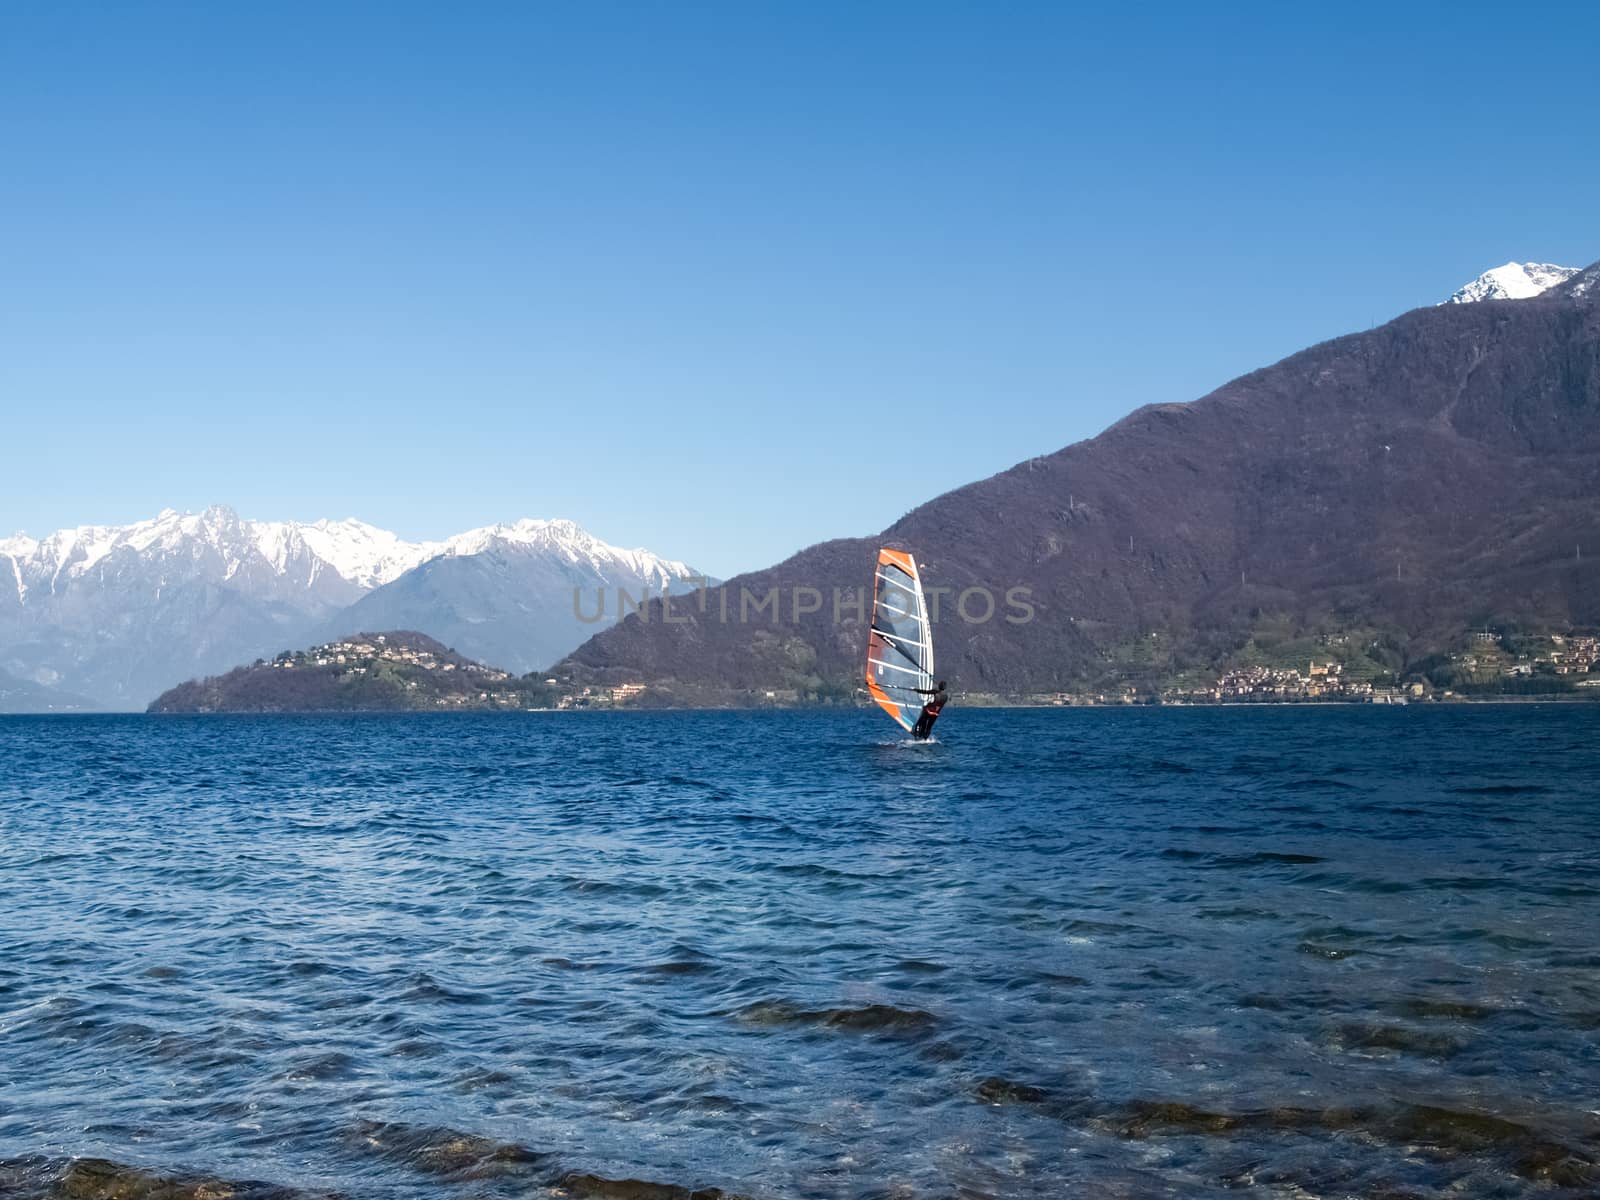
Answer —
1267 952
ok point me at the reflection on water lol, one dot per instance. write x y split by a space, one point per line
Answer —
1324 952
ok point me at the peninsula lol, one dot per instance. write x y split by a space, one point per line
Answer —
399 671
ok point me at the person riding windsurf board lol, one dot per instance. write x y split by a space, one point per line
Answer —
900 646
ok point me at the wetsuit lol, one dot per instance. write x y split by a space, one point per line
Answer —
930 711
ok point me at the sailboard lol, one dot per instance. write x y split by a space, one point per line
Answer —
900 641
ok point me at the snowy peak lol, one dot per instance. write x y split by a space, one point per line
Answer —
364 554
1584 283
19 545
567 541
1514 281
218 544
222 547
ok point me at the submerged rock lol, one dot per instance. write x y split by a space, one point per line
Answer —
580 1185
1397 1038
447 1154
871 1018
997 1090
459 1157
1528 1152
101 1179
1145 1118
1423 1007
1521 1148
25 1176
440 1151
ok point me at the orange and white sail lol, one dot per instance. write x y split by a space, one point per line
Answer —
900 642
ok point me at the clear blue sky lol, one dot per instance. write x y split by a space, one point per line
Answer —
684 272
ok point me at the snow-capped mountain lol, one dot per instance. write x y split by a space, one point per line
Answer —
216 544
1514 281
570 543
119 613
519 596
1584 282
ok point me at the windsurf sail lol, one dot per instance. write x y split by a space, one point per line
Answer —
900 642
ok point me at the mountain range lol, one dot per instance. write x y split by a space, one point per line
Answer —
1438 470
111 616
1400 486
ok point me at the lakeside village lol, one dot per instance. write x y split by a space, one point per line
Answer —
410 666
431 676
359 657
1488 668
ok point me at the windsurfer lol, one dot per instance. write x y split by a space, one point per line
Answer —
930 710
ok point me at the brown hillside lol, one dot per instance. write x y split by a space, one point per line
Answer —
1439 472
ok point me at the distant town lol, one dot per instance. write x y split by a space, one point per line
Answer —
359 657
373 672
406 671
1489 668
402 671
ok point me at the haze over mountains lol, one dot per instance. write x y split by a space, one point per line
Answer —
117 614
1412 482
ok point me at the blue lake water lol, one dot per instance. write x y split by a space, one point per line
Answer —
1267 952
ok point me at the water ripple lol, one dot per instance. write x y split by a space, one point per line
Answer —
669 956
